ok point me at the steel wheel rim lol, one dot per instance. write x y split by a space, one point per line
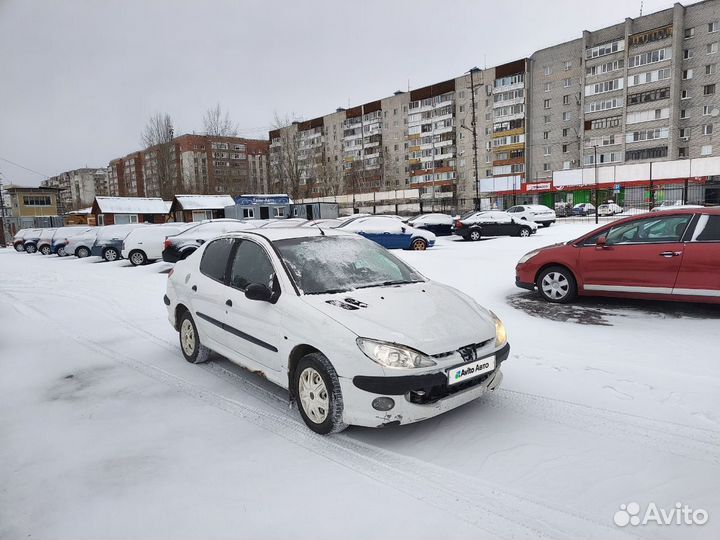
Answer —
137 258
555 285
45 251
187 337
313 395
61 251
418 245
110 255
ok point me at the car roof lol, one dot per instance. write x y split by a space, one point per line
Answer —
276 234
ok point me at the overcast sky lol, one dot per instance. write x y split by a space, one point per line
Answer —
78 79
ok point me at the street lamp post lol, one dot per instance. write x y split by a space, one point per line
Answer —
474 134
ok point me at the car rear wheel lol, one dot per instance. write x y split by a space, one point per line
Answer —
111 254
557 284
419 244
317 390
82 252
45 250
525 231
61 251
137 258
193 351
31 248
19 248
474 235
546 224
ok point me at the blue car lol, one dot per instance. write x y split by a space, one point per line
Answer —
389 232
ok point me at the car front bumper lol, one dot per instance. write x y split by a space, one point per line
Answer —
359 393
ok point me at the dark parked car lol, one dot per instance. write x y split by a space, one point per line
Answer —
671 255
475 225
583 209
438 224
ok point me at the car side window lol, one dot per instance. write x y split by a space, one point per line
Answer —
650 230
250 265
707 229
514 209
215 259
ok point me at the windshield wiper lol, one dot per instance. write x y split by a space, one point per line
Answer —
386 283
329 291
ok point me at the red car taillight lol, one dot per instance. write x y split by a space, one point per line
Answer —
458 224
166 244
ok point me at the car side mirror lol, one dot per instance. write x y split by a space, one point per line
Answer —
402 229
200 241
258 291
601 242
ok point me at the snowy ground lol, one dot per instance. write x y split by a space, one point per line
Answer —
106 432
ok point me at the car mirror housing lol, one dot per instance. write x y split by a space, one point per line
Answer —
601 242
258 291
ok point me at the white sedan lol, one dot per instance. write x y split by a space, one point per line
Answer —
609 209
356 335
542 215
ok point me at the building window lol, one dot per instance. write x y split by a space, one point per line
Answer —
546 150
37 200
650 95
605 48
708 89
710 69
547 86
683 151
684 95
547 70
567 83
687 54
706 150
712 48
248 213
546 167
566 165
565 132
566 100
647 153
565 148
546 135
546 104
689 33
547 118
567 65
707 129
650 57
566 116
685 133
687 74
707 110
279 211
712 27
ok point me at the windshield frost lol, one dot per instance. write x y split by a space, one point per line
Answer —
326 264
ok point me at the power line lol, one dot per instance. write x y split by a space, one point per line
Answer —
25 168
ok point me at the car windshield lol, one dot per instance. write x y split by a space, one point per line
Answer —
330 264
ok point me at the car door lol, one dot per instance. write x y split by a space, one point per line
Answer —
208 289
252 326
504 225
640 256
700 269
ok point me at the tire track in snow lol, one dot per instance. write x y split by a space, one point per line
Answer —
489 508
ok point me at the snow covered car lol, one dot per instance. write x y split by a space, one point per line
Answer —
108 243
475 225
44 243
609 209
438 224
63 234
542 215
324 223
19 238
81 244
389 232
583 209
145 244
355 334
674 206
31 239
182 245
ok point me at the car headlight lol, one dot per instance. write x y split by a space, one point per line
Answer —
525 258
500 333
393 356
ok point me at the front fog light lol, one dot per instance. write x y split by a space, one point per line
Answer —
383 403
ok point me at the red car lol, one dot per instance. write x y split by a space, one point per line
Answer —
670 255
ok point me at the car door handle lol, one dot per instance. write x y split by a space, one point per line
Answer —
228 303
194 288
669 254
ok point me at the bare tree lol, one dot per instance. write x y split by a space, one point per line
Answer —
215 123
157 137
285 156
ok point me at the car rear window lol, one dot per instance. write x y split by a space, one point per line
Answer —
707 229
215 258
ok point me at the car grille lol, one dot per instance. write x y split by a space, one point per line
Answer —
476 346
440 391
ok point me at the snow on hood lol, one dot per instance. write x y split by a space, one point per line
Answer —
429 316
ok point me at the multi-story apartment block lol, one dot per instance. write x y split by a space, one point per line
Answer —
78 187
644 90
192 164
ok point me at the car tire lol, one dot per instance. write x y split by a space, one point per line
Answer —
82 252
316 389
418 244
193 351
19 248
45 250
111 254
557 284
137 257
525 231
30 248
474 235
61 251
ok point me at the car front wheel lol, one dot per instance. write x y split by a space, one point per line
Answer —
61 251
193 351
137 258
30 248
45 250
111 254
419 244
317 390
19 248
557 284
474 235
525 231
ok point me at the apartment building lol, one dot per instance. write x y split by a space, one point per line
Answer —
639 91
78 188
200 164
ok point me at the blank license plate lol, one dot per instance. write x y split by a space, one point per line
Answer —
471 370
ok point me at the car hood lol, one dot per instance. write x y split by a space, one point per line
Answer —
430 317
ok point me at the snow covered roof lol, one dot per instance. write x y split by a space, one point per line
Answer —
81 211
130 205
204 202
